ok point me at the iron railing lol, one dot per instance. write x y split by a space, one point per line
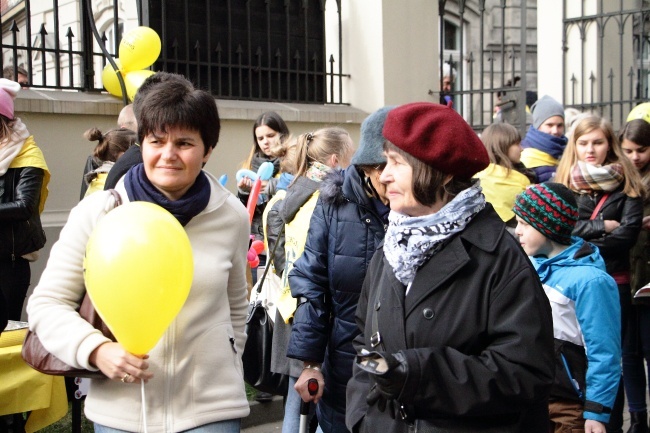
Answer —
606 57
266 50
496 66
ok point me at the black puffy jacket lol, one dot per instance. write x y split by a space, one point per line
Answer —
20 222
615 246
344 233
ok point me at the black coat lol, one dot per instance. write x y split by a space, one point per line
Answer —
21 231
477 333
615 246
344 233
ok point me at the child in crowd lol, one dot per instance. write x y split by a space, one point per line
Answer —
584 302
110 147
506 176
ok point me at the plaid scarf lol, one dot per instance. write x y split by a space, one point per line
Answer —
411 241
586 178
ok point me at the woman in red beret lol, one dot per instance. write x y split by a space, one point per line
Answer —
456 331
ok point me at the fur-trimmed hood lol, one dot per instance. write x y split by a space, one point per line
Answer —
331 189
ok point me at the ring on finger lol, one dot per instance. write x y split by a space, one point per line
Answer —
126 376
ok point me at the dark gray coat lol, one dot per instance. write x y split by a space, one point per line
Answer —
477 333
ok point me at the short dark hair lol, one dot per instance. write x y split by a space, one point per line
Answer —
428 183
169 100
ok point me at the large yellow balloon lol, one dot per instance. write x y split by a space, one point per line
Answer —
110 81
138 271
133 80
641 111
139 48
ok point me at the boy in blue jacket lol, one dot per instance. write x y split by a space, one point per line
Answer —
584 301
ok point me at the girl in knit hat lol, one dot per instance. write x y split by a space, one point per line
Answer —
635 141
584 301
506 176
24 177
609 192
456 333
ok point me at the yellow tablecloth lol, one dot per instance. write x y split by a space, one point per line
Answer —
23 389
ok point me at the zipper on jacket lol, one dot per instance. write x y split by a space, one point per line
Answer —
232 343
574 382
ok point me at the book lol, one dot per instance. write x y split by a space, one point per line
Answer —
643 292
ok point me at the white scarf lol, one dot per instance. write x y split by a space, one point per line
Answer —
12 145
411 241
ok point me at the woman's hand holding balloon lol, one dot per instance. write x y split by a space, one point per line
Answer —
245 184
118 364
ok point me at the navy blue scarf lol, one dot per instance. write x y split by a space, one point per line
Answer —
547 143
139 188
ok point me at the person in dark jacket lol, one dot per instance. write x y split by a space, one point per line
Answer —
346 227
456 330
23 190
609 192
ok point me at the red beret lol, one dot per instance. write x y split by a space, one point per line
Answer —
438 136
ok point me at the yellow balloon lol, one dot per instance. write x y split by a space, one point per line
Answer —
133 80
641 111
110 81
138 271
139 48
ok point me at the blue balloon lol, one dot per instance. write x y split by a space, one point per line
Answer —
246 173
265 172
223 179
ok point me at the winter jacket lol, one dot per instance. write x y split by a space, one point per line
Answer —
20 222
615 246
294 211
501 187
344 233
197 363
476 331
640 260
586 318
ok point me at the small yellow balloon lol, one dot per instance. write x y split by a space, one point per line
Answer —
133 80
138 271
139 48
110 81
641 111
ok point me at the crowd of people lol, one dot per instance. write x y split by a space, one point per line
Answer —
435 279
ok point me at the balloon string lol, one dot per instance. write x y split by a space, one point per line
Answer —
144 405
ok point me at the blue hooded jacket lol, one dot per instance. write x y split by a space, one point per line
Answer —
586 312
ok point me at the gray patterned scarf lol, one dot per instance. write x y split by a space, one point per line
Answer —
411 241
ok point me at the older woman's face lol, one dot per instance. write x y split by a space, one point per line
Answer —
173 160
397 176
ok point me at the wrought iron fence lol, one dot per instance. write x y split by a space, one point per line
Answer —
606 56
271 50
486 44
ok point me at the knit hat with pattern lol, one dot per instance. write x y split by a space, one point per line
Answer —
550 208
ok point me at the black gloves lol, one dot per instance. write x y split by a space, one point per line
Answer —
390 373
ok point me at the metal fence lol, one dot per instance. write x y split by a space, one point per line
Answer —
606 55
270 50
486 43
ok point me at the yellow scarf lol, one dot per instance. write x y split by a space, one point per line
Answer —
536 158
31 156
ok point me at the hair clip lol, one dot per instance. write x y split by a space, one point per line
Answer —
310 137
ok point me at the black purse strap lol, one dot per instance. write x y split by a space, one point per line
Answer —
268 265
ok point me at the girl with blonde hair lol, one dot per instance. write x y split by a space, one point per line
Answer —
311 156
609 192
